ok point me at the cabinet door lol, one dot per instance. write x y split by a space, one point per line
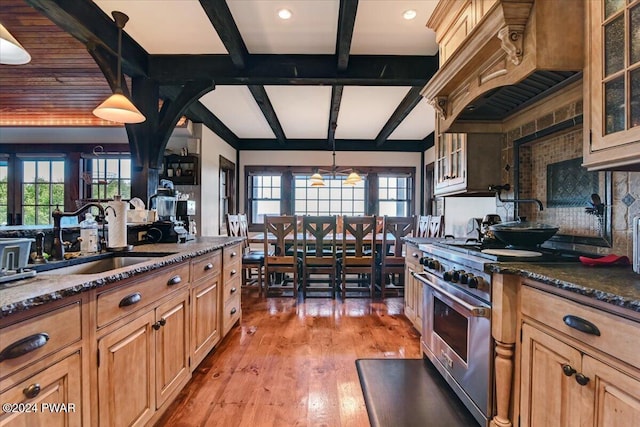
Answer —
418 305
126 374
457 158
172 345
548 397
613 395
205 329
442 161
613 83
59 384
409 294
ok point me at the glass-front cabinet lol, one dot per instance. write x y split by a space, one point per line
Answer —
450 160
612 85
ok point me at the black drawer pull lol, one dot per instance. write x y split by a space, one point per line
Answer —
582 379
581 325
568 370
24 346
32 391
174 280
233 311
208 267
130 300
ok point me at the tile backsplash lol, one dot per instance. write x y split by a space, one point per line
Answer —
535 158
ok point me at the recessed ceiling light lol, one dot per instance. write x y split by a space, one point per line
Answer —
409 14
284 13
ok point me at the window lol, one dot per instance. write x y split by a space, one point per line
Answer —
394 195
108 176
264 196
4 191
334 198
42 190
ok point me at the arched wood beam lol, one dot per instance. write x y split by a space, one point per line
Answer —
172 110
108 63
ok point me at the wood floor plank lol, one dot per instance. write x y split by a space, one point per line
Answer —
292 363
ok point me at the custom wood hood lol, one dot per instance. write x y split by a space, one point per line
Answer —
498 55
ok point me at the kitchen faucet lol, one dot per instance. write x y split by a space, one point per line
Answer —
499 188
57 248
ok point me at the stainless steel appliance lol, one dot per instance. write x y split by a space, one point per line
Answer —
457 325
14 257
185 212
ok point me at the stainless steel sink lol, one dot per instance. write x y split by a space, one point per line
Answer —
101 265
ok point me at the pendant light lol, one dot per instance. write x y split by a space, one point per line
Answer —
11 51
118 108
352 179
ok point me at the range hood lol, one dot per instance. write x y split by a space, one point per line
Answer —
497 60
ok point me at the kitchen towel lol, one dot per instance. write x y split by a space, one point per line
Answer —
116 213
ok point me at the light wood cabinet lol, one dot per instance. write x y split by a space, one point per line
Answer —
413 306
466 163
231 278
205 321
612 85
574 378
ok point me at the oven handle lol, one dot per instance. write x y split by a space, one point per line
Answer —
472 310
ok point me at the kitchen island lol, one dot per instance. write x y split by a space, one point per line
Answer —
118 345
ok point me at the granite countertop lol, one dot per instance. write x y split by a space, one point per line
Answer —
24 294
616 285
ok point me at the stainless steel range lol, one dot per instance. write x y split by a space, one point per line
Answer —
456 330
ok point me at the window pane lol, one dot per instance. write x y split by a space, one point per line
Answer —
635 97
614 105
612 6
28 171
614 46
634 34
43 192
57 169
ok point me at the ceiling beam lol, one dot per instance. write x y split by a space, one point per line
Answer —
363 70
411 99
341 145
336 99
346 22
224 24
260 95
85 21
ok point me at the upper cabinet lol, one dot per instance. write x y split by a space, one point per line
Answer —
612 85
182 170
466 163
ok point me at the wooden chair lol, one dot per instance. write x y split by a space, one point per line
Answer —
358 237
392 260
237 225
422 225
319 257
282 259
436 226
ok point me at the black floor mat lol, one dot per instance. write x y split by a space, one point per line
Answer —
408 393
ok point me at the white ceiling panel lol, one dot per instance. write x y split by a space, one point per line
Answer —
380 28
168 26
237 109
303 111
365 110
418 124
311 29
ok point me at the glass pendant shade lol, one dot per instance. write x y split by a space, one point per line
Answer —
317 183
118 108
352 179
11 51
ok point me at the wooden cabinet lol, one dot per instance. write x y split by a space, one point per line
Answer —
466 163
413 306
575 378
612 86
205 289
231 279
182 170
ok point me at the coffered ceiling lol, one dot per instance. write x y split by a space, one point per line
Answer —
338 70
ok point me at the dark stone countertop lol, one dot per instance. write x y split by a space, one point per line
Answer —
21 295
616 285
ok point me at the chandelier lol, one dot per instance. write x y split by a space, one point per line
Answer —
352 179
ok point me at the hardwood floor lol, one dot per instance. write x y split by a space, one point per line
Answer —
293 364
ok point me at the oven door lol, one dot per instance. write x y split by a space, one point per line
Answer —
457 339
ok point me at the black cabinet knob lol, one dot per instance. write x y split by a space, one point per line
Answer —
568 370
582 379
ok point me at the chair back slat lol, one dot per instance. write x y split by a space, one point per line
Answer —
436 226
422 226
396 227
358 236
233 225
282 232
319 236
244 230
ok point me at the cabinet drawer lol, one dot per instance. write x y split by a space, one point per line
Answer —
232 257
206 266
231 288
121 301
618 337
412 256
32 339
232 311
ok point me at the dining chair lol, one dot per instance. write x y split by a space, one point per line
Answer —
358 237
281 258
238 226
436 226
391 267
422 225
319 256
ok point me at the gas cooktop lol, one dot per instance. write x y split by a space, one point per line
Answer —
503 253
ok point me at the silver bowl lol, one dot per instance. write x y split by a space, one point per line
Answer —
523 234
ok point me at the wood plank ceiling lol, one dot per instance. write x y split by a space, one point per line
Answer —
64 82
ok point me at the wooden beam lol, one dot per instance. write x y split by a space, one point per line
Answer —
222 20
108 65
346 22
261 97
336 99
363 70
411 99
85 21
321 145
